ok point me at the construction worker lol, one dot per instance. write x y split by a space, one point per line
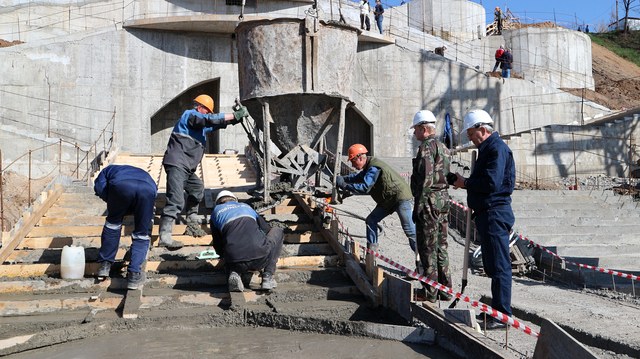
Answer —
489 189
497 18
498 57
183 155
245 241
387 188
431 203
127 190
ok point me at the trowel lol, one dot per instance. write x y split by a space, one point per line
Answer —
208 254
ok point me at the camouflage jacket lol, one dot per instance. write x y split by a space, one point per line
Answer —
429 177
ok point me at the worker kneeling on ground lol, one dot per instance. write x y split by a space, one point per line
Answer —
127 190
245 241
387 188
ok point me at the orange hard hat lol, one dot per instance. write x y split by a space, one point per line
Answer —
206 101
355 150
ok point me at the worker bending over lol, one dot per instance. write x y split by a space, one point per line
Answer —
245 241
127 190
387 188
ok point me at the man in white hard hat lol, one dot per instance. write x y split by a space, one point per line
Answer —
489 189
245 241
431 203
181 159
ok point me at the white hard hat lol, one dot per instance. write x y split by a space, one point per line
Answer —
423 116
225 193
475 117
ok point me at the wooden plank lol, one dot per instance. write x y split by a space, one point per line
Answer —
555 343
132 301
398 294
354 270
94 241
283 209
53 270
49 305
96 231
457 337
29 222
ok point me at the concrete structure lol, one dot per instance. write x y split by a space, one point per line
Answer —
75 75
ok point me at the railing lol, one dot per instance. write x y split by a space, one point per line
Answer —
586 168
86 163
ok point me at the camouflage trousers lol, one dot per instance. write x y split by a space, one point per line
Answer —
431 236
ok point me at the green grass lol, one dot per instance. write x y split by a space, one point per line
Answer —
624 45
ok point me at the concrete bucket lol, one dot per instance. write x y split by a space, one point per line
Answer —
303 69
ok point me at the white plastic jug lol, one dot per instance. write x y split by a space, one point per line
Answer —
72 263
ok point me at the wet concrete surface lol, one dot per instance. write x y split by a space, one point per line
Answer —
243 343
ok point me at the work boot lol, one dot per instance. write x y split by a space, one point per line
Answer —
268 282
235 282
166 227
372 246
105 269
444 296
495 324
135 280
246 278
194 228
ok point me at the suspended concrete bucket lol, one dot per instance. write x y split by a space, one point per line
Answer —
297 73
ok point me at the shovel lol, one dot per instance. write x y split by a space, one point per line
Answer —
467 240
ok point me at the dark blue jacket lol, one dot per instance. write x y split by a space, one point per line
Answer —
494 176
186 143
239 233
506 60
113 174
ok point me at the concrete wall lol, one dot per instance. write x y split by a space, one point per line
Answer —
76 83
452 20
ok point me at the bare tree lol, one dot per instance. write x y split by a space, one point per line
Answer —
627 5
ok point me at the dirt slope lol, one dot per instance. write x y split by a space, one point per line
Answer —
617 80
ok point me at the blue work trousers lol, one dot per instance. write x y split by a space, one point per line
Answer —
379 22
404 209
128 197
493 227
180 181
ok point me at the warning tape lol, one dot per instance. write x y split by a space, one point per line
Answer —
598 269
474 303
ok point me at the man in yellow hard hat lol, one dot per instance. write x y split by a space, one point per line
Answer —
387 188
183 155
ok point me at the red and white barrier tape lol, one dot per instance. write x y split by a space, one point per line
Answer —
474 303
598 269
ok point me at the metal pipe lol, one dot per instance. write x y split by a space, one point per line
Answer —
1 200
29 182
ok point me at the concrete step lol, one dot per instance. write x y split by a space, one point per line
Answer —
553 221
533 230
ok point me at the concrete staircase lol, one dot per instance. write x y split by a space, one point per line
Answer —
77 216
588 227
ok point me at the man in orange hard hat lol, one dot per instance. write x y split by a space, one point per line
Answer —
183 155
387 188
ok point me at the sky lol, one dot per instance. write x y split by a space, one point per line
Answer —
566 13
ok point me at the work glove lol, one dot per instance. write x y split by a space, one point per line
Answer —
340 182
240 113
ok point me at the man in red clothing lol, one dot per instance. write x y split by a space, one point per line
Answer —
497 56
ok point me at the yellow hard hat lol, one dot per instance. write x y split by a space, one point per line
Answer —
206 101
